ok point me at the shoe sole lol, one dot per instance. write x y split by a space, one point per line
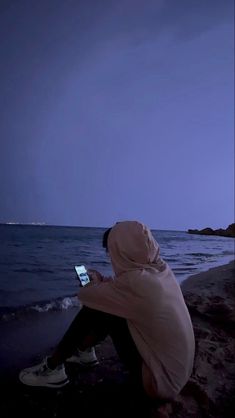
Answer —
55 385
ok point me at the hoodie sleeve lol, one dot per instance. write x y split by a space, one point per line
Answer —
106 297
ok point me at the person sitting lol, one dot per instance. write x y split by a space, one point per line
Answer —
141 308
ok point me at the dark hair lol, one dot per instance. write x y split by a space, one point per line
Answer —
105 238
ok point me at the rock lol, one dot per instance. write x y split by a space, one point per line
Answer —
228 232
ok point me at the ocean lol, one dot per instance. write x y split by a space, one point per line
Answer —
37 263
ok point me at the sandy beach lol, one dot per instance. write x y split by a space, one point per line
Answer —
106 389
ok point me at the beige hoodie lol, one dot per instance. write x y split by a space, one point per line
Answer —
146 293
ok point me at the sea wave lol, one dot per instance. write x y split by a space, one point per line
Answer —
228 252
59 304
206 255
33 270
36 280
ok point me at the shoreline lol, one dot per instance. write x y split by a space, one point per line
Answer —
217 269
105 389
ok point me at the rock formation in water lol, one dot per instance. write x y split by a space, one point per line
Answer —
228 232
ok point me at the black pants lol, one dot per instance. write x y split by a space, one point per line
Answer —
90 327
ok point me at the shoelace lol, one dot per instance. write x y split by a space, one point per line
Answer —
43 370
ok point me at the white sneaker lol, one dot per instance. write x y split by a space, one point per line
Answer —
84 358
42 375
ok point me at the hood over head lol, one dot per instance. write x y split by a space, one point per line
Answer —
132 246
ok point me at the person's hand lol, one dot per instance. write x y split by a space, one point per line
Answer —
95 276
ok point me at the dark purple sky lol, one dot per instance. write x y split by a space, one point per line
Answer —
117 109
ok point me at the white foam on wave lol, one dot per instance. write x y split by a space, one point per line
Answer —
64 304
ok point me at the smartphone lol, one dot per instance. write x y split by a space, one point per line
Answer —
82 274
